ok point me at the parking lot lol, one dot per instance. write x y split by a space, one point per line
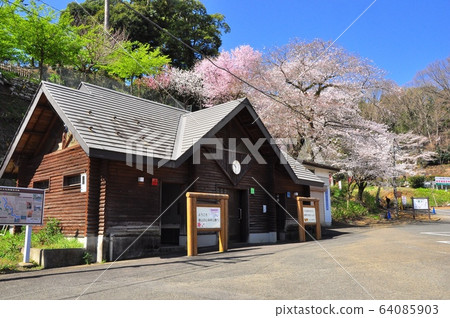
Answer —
382 262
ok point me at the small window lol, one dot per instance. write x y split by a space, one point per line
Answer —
43 184
74 180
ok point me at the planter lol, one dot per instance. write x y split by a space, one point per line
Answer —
50 258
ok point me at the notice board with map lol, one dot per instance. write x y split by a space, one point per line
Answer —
21 206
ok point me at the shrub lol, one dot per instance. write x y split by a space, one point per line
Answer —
416 181
370 202
10 246
340 211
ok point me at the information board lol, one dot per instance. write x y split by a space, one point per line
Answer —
208 217
309 215
21 206
442 181
420 203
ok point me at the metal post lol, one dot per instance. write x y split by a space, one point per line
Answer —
26 248
106 26
394 181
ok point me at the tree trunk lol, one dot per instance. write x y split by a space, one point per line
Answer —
361 187
41 70
377 197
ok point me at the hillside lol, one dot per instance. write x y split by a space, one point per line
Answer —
15 97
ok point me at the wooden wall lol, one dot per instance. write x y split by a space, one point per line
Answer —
130 204
67 204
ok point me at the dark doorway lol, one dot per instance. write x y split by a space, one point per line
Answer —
238 216
171 219
281 217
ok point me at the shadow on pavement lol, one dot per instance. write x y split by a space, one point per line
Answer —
204 261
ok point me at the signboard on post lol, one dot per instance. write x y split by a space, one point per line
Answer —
420 204
202 217
307 215
21 206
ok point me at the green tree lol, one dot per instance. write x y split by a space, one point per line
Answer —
7 43
42 39
96 48
188 20
134 61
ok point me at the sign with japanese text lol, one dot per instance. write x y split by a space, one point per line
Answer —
420 203
208 217
21 206
309 215
442 181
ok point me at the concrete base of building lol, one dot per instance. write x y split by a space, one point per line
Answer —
203 240
270 237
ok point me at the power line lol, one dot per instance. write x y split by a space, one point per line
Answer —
203 55
177 102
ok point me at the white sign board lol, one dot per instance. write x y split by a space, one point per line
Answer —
309 215
442 181
21 206
208 217
420 204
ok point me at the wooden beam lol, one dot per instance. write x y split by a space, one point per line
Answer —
47 133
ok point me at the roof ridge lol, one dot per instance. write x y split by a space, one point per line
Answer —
239 100
132 96
46 83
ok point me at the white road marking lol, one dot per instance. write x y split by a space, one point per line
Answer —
445 242
436 233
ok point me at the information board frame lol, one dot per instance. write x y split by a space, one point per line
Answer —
418 205
301 217
31 200
193 199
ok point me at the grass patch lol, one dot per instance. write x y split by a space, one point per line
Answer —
50 237
341 211
436 197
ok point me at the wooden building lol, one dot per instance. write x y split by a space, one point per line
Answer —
113 163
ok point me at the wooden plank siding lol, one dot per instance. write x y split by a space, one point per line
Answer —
129 204
67 204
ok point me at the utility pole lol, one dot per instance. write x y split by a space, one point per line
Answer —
394 179
106 26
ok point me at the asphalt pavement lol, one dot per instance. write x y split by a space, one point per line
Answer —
409 261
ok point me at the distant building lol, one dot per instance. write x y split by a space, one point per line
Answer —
324 172
112 163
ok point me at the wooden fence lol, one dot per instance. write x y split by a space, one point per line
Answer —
21 71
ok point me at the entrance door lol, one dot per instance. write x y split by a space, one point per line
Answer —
171 219
237 216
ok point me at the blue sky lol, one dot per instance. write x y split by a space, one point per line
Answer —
400 36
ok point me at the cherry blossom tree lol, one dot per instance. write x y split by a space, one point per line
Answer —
219 84
210 82
312 90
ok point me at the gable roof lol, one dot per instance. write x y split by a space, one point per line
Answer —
110 124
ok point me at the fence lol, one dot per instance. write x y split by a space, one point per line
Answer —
21 71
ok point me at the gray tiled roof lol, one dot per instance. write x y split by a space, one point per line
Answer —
194 126
300 171
112 121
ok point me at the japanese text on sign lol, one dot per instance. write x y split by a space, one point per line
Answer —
309 215
21 206
208 217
